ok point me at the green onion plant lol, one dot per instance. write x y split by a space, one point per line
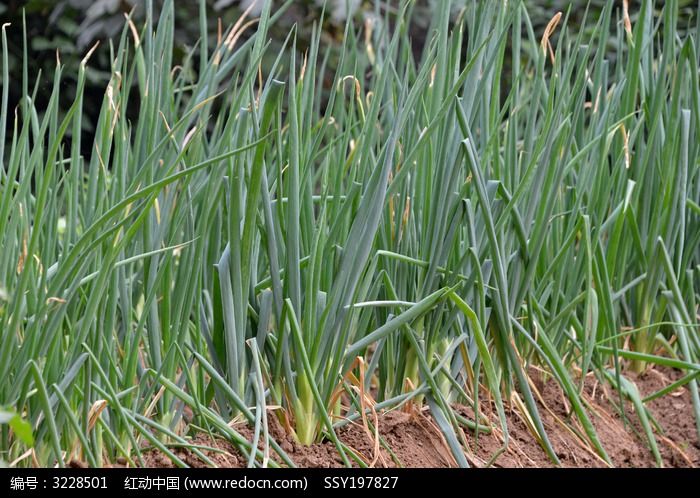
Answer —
254 231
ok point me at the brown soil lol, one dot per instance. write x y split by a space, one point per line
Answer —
625 443
411 439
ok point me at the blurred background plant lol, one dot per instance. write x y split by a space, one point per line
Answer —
67 29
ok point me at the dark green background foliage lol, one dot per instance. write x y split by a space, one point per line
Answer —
71 27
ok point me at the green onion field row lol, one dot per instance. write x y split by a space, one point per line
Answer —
255 233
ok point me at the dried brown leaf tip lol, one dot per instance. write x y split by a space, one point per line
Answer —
548 31
626 17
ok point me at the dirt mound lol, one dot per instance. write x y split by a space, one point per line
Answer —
623 440
411 438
